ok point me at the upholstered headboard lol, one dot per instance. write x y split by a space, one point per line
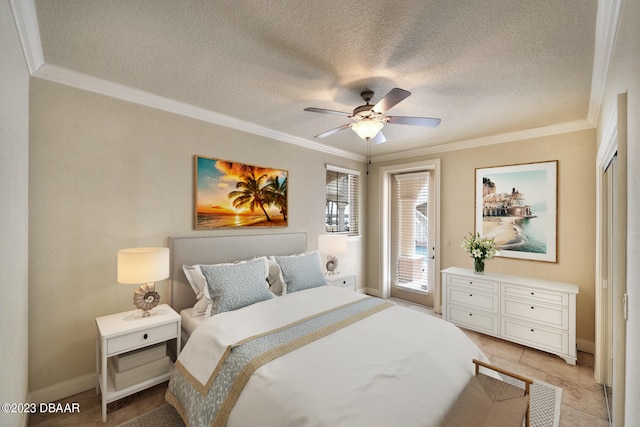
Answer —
218 249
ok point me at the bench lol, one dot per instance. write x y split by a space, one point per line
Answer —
487 401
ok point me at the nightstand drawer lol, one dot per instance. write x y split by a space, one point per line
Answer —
344 282
142 337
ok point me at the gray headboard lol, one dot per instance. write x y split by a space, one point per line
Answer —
218 249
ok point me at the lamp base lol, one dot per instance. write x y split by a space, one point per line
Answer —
146 298
141 314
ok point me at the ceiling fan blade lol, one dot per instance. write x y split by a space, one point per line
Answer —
413 121
394 96
332 131
379 138
325 111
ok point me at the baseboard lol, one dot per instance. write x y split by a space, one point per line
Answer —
373 291
63 389
586 346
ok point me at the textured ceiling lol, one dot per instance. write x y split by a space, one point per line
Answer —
484 67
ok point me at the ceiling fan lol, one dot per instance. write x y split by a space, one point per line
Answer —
368 120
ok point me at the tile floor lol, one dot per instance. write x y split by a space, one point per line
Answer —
583 401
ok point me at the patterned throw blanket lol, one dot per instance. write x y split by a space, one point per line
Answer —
210 404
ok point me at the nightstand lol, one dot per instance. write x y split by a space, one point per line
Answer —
126 335
347 281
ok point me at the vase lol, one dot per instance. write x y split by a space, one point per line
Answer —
478 265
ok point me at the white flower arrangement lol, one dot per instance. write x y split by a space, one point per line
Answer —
479 248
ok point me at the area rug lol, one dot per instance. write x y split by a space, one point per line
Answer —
545 401
545 410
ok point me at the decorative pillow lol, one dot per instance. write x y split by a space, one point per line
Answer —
275 282
195 278
233 286
199 285
301 272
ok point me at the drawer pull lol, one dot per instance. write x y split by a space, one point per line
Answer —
532 330
533 293
470 314
531 308
344 282
470 295
145 336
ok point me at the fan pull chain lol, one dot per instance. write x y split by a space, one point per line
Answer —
368 155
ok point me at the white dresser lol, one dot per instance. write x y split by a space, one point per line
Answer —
537 313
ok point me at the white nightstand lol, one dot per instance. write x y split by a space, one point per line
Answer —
347 281
124 332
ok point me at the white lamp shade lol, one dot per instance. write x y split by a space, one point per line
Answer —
142 265
332 244
367 129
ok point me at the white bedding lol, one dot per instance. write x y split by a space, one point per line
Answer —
398 367
190 322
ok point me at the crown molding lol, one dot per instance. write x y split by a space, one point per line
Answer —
93 84
556 129
607 20
24 14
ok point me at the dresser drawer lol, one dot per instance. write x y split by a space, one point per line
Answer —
481 322
538 337
555 317
145 337
541 295
473 299
479 284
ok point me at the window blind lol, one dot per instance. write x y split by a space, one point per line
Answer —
411 238
342 200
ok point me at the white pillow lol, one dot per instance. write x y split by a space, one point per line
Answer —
276 286
299 272
199 285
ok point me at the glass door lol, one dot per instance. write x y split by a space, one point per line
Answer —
412 237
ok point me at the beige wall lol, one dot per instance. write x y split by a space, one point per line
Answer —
14 163
107 174
575 153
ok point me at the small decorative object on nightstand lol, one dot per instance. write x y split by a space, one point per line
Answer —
347 281
332 245
132 355
146 266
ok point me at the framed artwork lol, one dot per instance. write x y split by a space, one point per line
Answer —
231 194
517 206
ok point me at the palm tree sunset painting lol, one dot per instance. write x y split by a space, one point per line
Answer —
230 194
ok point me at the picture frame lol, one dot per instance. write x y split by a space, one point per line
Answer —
517 206
231 194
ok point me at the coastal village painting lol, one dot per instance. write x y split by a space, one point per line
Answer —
517 206
231 194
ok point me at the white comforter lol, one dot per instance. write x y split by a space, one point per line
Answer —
398 367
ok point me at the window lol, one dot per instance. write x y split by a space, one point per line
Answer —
341 208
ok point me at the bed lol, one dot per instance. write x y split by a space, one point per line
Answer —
315 356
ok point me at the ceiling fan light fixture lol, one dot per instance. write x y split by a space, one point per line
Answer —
367 129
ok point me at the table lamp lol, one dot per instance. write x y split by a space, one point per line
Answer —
146 266
332 245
